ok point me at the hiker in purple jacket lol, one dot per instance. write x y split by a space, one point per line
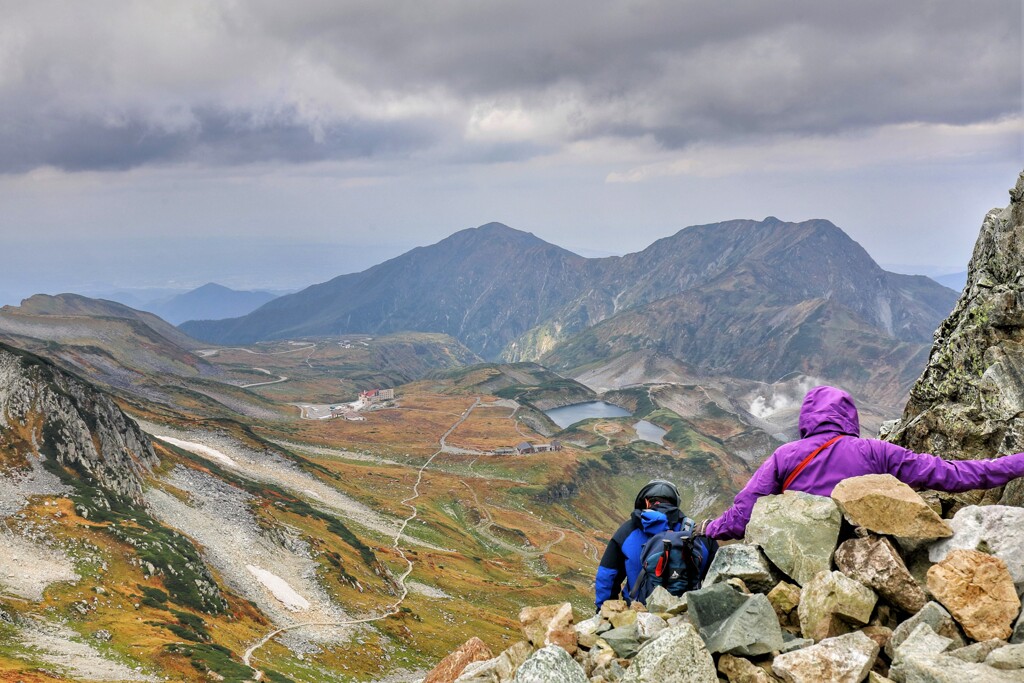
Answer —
830 427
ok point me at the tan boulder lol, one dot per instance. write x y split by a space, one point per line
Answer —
549 625
452 666
785 599
883 504
833 604
739 670
978 591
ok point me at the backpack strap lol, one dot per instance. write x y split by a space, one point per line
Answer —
800 468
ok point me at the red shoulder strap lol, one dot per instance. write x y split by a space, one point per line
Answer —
800 468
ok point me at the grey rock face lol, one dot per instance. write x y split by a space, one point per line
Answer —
797 531
994 529
730 621
82 428
938 619
833 604
550 664
1009 657
661 601
967 403
625 640
743 562
677 656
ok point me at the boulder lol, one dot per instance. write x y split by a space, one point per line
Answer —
660 601
977 652
832 604
734 622
452 666
797 531
624 640
622 619
874 562
501 669
745 562
549 625
978 591
785 599
923 658
1010 657
587 630
550 664
677 656
937 618
994 529
738 670
610 608
1018 630
649 625
885 505
843 659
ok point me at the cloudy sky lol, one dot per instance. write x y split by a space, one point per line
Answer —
275 144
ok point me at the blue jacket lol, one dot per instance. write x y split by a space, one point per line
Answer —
621 558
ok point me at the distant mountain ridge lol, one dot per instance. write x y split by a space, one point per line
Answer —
209 302
703 295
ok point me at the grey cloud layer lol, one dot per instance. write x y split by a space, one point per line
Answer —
113 85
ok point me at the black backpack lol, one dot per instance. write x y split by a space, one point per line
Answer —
674 560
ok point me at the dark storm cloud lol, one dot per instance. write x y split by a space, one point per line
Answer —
318 80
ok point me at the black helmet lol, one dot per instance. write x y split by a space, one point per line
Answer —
657 488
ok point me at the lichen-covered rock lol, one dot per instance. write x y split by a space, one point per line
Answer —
843 659
885 505
785 599
938 619
452 666
967 403
833 604
743 562
797 531
874 562
549 625
734 622
677 656
550 664
995 529
977 590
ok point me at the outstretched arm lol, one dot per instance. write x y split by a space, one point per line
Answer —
610 573
733 522
922 470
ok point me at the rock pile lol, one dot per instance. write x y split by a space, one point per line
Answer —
870 584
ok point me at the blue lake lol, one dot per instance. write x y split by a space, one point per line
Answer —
569 415
647 431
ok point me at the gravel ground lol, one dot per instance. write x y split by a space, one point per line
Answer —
270 467
16 487
28 567
61 648
219 518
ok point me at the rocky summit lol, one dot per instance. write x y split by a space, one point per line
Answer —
863 615
967 403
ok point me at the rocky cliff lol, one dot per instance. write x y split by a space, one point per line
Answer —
46 411
969 402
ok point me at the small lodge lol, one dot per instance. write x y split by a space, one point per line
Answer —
526 447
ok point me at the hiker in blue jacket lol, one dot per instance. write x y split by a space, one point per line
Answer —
656 509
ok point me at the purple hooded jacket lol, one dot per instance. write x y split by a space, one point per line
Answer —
827 412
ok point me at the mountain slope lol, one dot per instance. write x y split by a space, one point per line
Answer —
483 286
210 302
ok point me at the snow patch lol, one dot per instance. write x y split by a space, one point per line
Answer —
199 449
279 588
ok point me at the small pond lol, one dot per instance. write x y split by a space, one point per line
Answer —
569 415
648 431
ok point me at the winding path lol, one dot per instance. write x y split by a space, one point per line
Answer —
394 608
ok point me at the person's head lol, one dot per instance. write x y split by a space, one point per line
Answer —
654 492
828 409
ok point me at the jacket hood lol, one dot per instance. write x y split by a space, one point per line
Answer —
651 521
827 409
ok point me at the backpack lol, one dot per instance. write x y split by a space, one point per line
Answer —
674 560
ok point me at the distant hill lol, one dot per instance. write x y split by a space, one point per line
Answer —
753 299
209 302
954 281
